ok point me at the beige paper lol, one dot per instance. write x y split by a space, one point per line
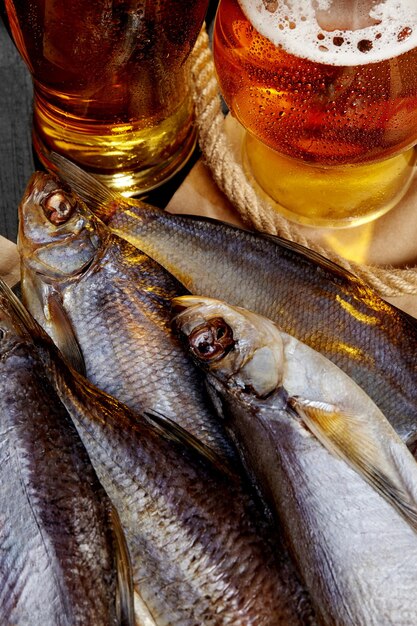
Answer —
9 262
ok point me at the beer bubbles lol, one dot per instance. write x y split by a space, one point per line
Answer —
327 91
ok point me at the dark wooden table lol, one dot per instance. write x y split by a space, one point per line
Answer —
16 158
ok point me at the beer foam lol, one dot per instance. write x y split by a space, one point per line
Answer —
293 25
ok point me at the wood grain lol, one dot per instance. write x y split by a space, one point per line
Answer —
15 135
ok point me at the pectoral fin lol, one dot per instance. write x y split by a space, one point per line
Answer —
348 437
63 333
143 616
125 604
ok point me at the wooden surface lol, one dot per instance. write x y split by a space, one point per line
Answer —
16 160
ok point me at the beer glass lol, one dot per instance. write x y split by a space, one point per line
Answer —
327 92
111 83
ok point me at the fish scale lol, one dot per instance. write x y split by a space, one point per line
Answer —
188 515
202 554
120 313
311 298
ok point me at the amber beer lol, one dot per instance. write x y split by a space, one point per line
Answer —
329 97
111 83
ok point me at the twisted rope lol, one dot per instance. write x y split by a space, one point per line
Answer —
255 212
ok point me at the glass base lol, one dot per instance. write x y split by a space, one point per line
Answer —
327 197
132 160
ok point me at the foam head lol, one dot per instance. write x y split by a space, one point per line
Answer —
337 32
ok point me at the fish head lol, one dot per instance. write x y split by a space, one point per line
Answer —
241 351
58 236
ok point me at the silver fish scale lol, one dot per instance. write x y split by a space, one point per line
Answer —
306 295
357 555
120 313
188 524
54 535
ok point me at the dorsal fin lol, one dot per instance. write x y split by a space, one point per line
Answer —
100 199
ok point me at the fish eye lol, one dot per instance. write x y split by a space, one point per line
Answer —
57 208
211 341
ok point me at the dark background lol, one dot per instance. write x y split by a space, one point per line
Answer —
16 158
16 161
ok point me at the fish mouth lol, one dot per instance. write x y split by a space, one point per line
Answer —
180 305
181 323
54 197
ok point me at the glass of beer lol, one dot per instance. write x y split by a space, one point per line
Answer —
111 82
327 92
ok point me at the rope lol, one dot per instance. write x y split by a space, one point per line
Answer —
255 212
